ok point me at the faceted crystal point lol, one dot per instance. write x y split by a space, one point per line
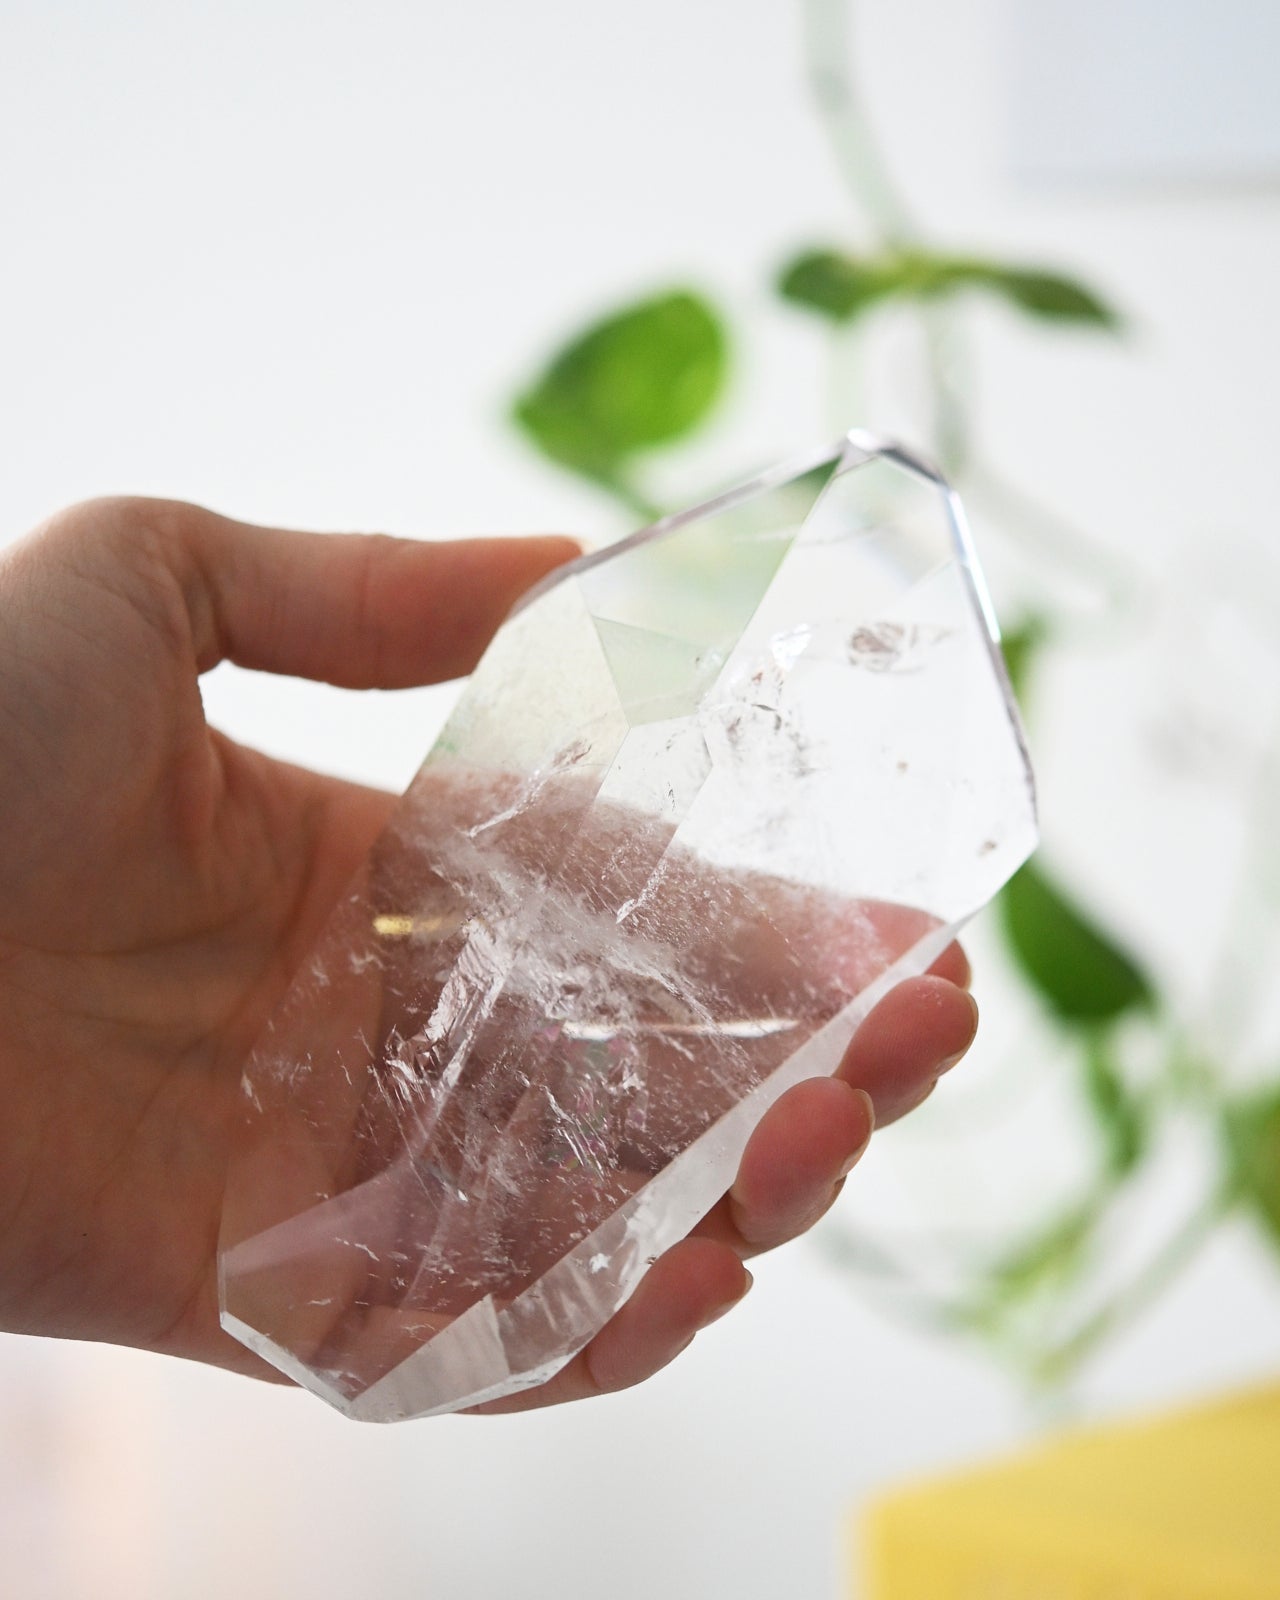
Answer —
706 797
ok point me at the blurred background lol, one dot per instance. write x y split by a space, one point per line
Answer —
297 262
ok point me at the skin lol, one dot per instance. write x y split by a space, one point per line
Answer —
159 884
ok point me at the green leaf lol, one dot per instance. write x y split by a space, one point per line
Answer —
1049 295
841 286
642 377
1054 1253
1020 645
1120 1115
833 284
1251 1128
1080 972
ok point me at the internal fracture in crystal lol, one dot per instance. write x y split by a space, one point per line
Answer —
708 794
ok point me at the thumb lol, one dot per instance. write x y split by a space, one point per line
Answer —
359 610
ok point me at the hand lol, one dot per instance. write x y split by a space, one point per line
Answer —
159 884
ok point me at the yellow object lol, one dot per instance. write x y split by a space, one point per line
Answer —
1185 1507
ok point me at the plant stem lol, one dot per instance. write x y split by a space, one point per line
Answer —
827 57
1141 1290
1239 977
632 501
861 164
946 375
1057 538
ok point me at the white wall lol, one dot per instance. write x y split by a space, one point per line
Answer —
289 259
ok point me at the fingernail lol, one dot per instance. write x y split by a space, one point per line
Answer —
723 1310
947 1064
858 1154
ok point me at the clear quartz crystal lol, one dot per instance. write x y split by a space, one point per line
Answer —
707 796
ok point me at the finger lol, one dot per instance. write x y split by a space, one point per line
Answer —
685 1290
953 965
796 1160
793 1166
917 1032
359 610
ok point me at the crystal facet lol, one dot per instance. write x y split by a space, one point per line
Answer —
706 797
